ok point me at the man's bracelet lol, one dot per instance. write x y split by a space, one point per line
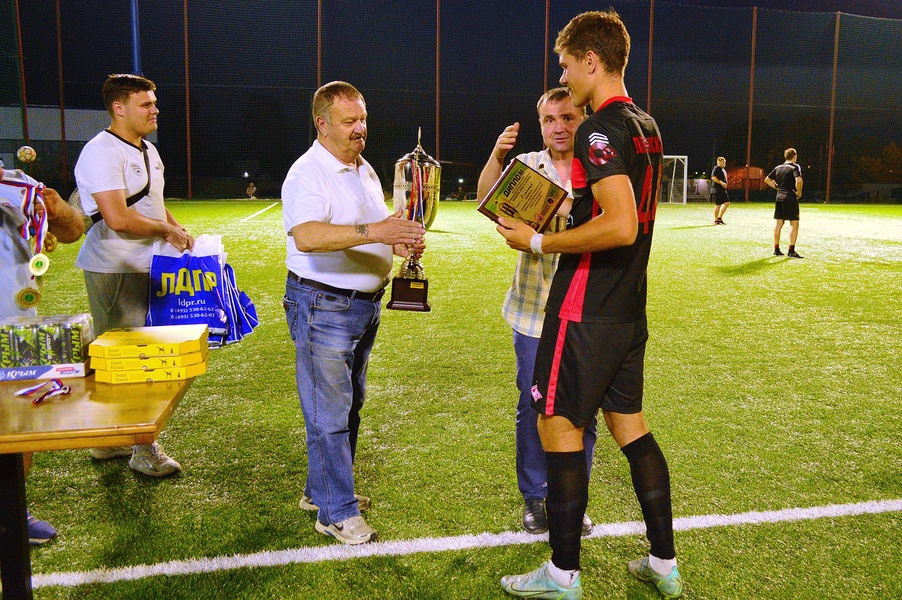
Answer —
535 244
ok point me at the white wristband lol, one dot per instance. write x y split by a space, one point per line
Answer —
535 244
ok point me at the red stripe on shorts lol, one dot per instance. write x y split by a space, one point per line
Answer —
555 367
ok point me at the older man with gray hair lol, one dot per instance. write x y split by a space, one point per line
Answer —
340 241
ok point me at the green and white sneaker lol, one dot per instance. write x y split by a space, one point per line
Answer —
670 586
539 584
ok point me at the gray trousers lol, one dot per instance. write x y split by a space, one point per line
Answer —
117 299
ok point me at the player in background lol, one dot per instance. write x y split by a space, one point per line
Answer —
719 192
787 180
592 350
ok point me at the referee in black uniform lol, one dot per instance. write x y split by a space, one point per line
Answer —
719 192
787 180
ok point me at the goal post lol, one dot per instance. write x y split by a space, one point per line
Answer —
674 179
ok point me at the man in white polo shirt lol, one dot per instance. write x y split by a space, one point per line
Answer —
340 242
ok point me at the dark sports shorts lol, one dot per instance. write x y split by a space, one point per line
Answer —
786 209
720 195
583 367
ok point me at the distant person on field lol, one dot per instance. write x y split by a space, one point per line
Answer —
340 242
719 192
65 223
787 180
120 175
591 354
251 191
524 304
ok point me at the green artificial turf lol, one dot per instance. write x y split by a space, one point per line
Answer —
771 383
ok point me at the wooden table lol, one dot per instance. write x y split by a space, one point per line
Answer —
92 415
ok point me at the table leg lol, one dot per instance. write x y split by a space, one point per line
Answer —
15 553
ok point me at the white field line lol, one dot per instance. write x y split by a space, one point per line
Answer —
462 542
259 212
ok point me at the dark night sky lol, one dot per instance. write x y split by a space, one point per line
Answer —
253 69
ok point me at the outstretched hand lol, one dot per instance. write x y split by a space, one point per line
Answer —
395 229
505 142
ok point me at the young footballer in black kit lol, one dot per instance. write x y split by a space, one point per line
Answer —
592 350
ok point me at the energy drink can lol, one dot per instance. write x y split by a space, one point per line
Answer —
25 342
50 343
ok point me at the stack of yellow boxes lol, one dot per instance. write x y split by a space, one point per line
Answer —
140 354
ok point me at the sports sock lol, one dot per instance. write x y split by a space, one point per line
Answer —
792 248
776 246
563 578
651 482
661 566
568 495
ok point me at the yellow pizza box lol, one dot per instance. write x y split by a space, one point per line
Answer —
147 363
144 342
152 375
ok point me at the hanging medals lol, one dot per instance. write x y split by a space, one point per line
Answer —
36 226
28 298
50 243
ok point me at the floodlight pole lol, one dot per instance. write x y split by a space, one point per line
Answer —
22 94
748 144
59 60
187 104
651 37
136 40
438 78
832 112
547 40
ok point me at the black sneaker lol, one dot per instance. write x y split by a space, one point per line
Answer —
534 519
777 252
794 254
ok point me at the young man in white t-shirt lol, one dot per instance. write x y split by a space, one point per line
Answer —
117 166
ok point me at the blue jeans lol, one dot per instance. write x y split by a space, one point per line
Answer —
531 468
333 336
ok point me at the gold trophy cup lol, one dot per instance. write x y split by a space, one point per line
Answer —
416 192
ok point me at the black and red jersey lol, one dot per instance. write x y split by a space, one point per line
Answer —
610 286
785 177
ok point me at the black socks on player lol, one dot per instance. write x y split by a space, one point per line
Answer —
568 495
651 481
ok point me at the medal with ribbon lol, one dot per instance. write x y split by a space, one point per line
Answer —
36 225
57 388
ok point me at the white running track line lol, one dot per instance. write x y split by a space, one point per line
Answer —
259 212
462 542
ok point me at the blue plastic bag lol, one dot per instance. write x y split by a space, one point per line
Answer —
188 288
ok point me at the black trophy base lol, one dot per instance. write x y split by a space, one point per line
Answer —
409 294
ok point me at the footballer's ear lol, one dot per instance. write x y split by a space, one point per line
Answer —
591 61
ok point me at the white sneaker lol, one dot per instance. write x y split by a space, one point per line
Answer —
350 531
151 460
111 452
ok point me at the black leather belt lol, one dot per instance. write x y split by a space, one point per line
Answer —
352 294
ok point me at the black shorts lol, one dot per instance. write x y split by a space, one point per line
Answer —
581 367
786 209
720 195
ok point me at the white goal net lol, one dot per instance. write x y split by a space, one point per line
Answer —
674 179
